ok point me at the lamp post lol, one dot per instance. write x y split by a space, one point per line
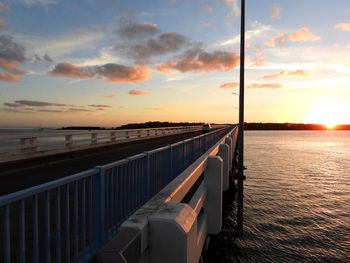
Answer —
241 126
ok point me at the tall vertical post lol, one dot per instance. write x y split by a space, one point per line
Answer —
241 125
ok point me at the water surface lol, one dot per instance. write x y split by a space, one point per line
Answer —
297 196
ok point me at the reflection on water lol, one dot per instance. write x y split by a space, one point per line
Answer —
297 196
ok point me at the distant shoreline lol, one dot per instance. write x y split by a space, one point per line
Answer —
248 126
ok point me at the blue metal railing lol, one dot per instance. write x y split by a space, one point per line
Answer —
70 219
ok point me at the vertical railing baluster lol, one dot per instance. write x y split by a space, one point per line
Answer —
22 236
58 225
76 221
111 202
67 228
145 178
99 211
106 203
47 227
35 229
7 244
83 217
91 214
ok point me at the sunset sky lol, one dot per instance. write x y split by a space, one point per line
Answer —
107 63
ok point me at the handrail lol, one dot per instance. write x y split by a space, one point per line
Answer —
15 147
80 213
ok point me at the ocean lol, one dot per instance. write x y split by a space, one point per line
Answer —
296 196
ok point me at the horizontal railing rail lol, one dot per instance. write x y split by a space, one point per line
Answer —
14 147
180 215
70 219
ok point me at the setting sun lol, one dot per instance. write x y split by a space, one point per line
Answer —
329 113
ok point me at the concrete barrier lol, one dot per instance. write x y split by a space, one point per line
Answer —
174 224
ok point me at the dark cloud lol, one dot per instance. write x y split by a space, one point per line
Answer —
47 110
163 44
10 50
198 60
99 106
12 105
47 58
39 103
71 71
140 30
79 110
139 93
108 72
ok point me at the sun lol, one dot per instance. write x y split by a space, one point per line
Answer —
329 113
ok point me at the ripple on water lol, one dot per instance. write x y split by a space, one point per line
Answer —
297 197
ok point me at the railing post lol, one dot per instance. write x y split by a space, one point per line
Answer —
213 203
69 141
228 141
33 143
25 142
93 138
113 136
145 179
138 134
127 135
224 153
99 205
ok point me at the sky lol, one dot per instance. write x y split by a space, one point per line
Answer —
108 63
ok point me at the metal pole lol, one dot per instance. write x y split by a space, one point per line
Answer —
241 126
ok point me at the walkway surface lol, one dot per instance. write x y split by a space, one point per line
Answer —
24 174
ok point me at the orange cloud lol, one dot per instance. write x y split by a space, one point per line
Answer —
265 86
108 72
206 24
9 77
11 67
139 93
279 39
303 35
111 96
201 61
230 85
297 73
343 26
259 61
275 11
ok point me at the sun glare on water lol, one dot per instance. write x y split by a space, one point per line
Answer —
329 113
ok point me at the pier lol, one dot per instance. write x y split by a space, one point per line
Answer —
114 211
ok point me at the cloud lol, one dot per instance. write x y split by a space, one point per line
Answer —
13 105
280 39
259 61
9 77
230 85
233 4
39 103
196 60
108 72
348 46
11 67
343 26
297 73
111 96
139 93
171 2
3 8
265 86
164 44
275 11
99 106
139 30
71 71
303 35
10 50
